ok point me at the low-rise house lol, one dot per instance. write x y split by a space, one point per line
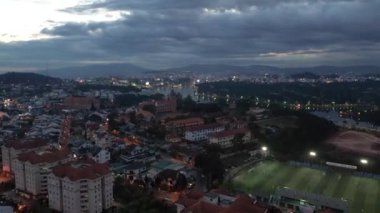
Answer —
134 171
228 137
198 202
101 155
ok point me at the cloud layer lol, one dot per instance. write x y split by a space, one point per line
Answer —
164 33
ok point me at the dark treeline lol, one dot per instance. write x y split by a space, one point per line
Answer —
310 134
352 92
27 78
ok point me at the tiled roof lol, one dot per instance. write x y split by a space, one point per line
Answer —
185 121
190 198
204 207
202 127
18 145
193 203
83 169
48 156
244 204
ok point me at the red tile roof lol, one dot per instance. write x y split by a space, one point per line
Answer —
185 121
204 207
244 204
205 126
30 144
190 198
83 169
48 156
193 203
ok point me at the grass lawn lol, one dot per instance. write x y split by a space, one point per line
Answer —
361 193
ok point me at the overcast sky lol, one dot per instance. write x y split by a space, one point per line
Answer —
35 34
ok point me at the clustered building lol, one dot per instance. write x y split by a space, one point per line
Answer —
32 168
12 149
70 184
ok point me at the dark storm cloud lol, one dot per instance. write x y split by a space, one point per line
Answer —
177 32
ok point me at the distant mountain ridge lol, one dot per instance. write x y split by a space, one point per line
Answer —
97 70
261 69
27 78
130 70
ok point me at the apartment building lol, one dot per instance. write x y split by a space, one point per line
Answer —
11 149
32 168
80 186
200 133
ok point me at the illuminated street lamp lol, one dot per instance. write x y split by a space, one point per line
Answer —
364 161
312 154
264 151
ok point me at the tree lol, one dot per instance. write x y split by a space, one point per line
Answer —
188 104
150 108
93 108
135 200
238 141
178 97
211 166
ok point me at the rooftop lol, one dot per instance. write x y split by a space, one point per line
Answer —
205 126
47 156
82 169
28 144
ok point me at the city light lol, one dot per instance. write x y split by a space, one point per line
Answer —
264 148
312 154
363 161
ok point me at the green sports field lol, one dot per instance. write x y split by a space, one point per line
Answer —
361 193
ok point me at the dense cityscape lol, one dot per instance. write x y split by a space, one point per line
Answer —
177 143
189 106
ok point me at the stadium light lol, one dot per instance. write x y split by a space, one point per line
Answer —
264 148
312 154
364 161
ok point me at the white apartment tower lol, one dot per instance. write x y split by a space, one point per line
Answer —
11 149
32 168
81 186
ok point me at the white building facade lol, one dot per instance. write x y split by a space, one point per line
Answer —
200 133
31 170
81 187
12 149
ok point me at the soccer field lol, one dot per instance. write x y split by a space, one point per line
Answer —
361 193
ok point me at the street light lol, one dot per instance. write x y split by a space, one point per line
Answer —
264 148
312 154
364 161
